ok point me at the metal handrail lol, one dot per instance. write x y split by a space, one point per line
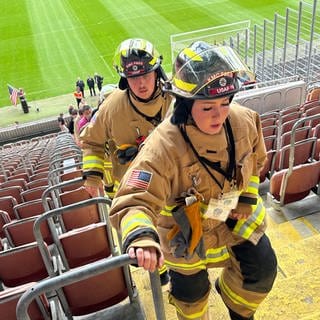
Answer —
81 273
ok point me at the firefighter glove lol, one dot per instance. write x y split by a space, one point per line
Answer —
126 153
186 237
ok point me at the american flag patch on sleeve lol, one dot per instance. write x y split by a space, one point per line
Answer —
139 179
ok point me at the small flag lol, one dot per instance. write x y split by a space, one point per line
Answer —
139 179
13 92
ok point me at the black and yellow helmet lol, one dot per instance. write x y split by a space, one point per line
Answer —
204 71
136 57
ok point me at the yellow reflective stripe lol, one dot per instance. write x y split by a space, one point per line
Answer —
245 228
116 185
108 177
255 179
253 186
196 315
167 211
131 222
213 255
236 298
163 269
108 165
192 54
188 87
90 162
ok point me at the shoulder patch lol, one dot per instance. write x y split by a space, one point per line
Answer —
139 179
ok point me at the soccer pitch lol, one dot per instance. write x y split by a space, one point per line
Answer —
47 44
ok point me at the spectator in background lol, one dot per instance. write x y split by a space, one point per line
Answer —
313 91
23 100
86 116
90 83
70 109
76 126
62 123
78 95
81 85
74 114
99 80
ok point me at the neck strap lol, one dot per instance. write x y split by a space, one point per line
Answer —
229 174
155 120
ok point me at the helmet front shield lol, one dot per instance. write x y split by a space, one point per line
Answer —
202 71
136 57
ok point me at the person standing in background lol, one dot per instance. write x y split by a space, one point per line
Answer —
73 113
90 83
23 101
78 95
99 80
81 85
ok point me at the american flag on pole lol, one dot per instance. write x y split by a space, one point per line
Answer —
139 179
13 92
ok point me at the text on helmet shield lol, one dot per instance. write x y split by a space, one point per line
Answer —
215 91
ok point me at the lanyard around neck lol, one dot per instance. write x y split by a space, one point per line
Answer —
155 120
230 172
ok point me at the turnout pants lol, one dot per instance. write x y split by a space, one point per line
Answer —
243 284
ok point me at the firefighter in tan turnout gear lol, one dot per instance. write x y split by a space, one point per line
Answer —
190 198
125 118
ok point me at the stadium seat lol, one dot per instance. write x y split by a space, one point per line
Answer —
288 117
14 182
270 131
77 251
300 134
270 142
20 268
20 232
21 265
289 110
308 105
14 191
267 169
287 126
30 208
7 204
41 175
37 183
33 194
302 152
37 310
298 185
79 217
4 219
22 175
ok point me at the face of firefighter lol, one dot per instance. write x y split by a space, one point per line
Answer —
209 115
143 86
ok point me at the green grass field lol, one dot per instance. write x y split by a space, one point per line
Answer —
47 44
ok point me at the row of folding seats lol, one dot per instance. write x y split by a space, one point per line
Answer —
84 236
21 263
278 136
293 166
76 230
17 229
